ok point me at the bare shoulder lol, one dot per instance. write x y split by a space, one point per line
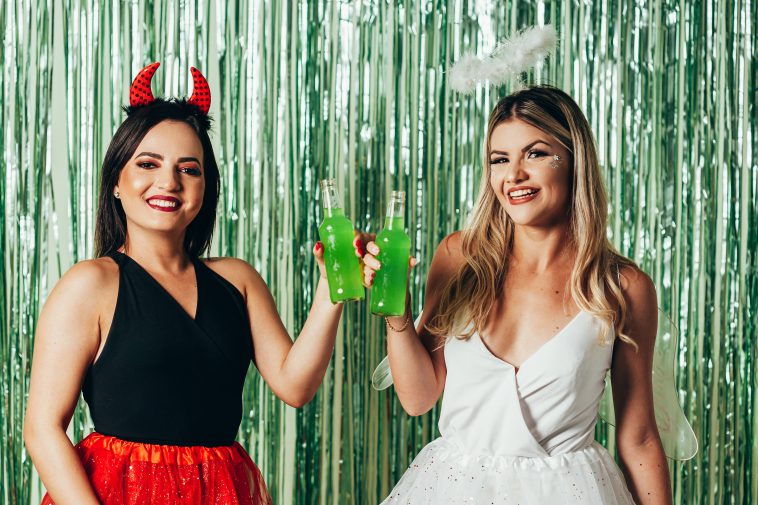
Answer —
77 301
86 277
638 287
447 259
450 250
235 270
642 302
452 243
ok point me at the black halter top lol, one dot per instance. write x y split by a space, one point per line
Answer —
164 377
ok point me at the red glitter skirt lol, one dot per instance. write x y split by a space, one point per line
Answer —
131 473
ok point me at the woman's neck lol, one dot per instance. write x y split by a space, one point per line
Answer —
158 255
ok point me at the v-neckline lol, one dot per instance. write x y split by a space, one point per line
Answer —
518 369
165 291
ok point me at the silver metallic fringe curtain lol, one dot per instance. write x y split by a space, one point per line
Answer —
357 90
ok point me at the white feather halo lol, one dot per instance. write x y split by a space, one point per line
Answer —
510 58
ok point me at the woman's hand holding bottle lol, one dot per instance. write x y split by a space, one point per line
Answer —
368 250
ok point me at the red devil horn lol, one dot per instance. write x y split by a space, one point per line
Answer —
201 93
140 93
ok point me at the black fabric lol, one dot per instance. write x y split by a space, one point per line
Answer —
164 378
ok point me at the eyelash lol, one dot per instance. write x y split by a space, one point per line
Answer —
501 160
194 171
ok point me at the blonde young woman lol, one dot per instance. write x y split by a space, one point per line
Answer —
526 310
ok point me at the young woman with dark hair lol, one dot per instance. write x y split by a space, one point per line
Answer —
158 338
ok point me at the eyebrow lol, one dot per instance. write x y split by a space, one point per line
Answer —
524 149
158 156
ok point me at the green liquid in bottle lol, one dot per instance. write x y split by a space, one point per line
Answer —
391 282
343 271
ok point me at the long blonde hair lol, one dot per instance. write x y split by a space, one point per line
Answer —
487 241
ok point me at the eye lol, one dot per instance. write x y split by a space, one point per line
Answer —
537 153
498 161
191 170
145 164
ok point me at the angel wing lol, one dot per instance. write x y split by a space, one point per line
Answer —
679 441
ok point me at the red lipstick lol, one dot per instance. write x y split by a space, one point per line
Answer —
164 207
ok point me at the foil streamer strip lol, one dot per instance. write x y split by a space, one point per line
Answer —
25 198
358 91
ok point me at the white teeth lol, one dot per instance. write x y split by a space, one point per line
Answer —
162 203
522 193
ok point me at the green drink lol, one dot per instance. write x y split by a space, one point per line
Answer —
343 271
390 283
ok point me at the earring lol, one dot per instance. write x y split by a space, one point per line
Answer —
116 194
556 162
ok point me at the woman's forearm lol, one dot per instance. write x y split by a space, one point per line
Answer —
647 473
411 365
309 356
59 467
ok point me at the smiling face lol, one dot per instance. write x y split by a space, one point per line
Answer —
522 157
161 187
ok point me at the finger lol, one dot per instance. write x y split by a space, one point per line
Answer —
366 237
372 248
358 245
413 262
318 250
367 270
368 278
371 262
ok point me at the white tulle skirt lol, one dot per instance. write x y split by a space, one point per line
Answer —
442 474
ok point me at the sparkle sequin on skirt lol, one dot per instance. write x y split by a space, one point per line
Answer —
132 473
442 474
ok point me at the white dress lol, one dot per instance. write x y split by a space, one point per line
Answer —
520 437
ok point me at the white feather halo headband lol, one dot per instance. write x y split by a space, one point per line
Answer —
510 58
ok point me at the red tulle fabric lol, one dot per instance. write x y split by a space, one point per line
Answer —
131 473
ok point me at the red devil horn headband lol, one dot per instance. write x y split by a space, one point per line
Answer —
140 93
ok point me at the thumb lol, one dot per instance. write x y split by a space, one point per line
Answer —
318 250
412 262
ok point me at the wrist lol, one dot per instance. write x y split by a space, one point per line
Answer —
399 324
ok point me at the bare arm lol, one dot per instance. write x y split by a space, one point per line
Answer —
293 371
642 458
416 356
66 341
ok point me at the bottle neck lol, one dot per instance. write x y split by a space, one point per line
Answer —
395 212
330 199
333 212
394 223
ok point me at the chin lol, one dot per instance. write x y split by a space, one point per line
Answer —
526 218
164 225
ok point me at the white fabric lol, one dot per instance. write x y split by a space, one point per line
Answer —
520 437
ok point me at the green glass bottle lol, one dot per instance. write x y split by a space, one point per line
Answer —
390 284
343 271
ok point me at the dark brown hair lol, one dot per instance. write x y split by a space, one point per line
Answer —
110 227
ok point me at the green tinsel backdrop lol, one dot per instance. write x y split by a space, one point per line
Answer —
357 90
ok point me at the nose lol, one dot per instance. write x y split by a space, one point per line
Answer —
514 172
168 179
